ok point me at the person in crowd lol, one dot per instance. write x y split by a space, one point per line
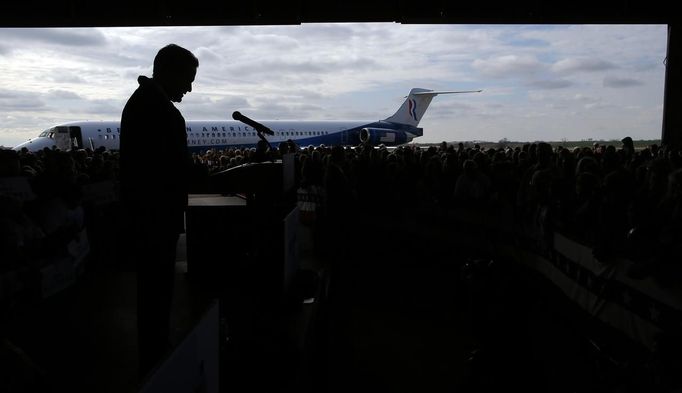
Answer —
262 152
472 186
667 251
155 196
339 199
628 148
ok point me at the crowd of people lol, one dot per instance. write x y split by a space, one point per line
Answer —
41 202
622 201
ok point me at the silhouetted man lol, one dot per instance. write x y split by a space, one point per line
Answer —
154 167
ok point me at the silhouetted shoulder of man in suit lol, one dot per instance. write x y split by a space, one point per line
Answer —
154 167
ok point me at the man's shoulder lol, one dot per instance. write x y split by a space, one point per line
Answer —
144 93
143 101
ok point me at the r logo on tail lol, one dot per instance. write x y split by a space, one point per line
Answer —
413 109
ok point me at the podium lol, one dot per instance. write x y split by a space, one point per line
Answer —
242 238
215 230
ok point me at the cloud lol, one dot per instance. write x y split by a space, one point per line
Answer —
573 65
527 42
11 100
293 67
597 105
562 100
203 106
207 55
65 37
337 32
281 107
583 98
96 109
616 82
63 94
450 110
508 66
64 76
646 66
550 84
268 42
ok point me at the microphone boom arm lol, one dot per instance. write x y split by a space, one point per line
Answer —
259 128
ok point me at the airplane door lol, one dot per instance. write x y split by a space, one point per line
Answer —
76 137
62 138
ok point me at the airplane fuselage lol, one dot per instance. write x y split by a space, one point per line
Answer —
203 135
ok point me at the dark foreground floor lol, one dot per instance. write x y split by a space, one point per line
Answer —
399 317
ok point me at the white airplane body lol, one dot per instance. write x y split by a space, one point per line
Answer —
203 135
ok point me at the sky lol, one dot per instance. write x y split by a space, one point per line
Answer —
540 82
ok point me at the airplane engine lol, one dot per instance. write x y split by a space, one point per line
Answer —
376 136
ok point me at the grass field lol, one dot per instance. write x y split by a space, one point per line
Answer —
639 144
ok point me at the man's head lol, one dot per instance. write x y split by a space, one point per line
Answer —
174 69
628 145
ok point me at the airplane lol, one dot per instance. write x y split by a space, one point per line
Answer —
203 135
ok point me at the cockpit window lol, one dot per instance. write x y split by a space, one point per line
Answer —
49 133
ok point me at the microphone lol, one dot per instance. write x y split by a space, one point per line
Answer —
256 125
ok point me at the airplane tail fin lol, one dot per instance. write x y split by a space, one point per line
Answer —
415 105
